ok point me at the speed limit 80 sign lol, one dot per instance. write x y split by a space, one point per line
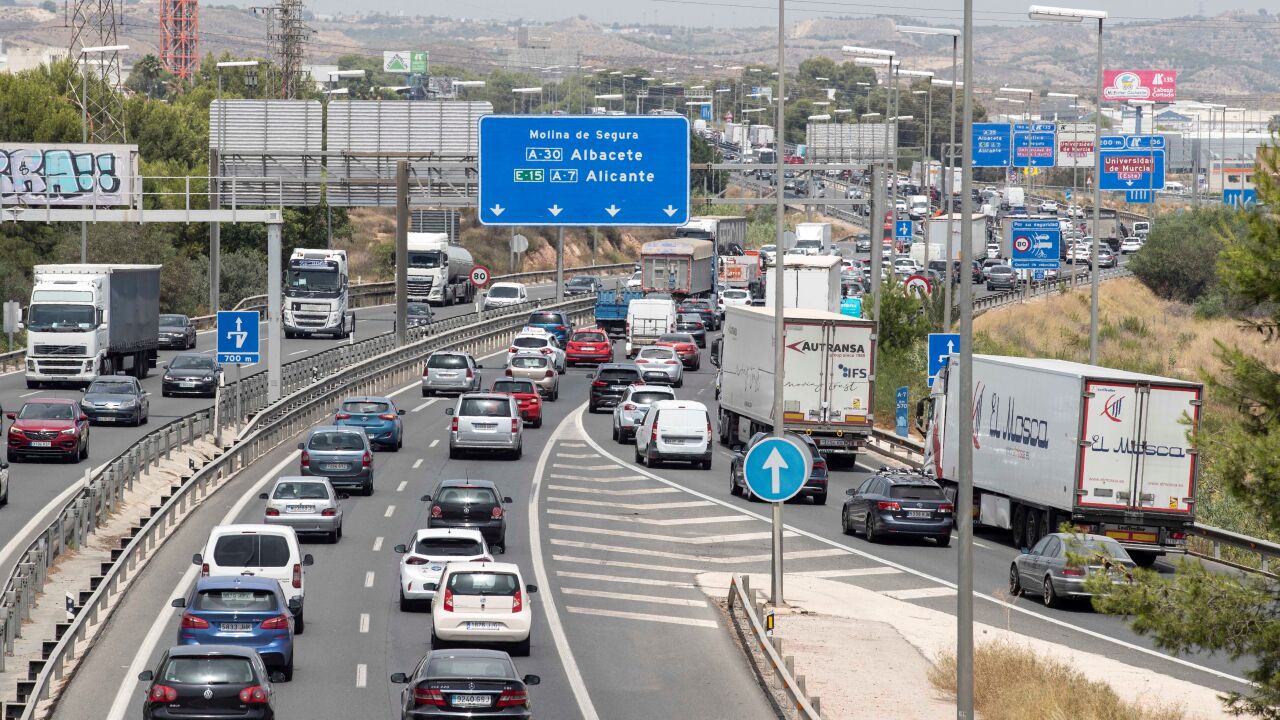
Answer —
480 276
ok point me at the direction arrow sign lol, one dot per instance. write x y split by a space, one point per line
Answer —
1139 196
584 170
941 347
1237 198
903 229
1132 169
776 468
238 341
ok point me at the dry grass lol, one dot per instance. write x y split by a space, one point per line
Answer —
1014 683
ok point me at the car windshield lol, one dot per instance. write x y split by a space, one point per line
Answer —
545 318
207 671
466 495
301 491
528 362
336 441
589 337
173 321
530 342
53 317
367 407
916 492
46 411
191 362
582 281
251 550
504 291
485 407
110 387
647 397
451 362
448 547
419 310
514 386
483 583
235 601
470 667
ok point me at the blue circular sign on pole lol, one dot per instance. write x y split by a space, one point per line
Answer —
776 468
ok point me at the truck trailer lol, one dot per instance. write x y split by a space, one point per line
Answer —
811 283
684 267
729 233
438 273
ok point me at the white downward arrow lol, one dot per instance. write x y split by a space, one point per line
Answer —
669 210
775 464
496 209
1129 183
613 210
555 210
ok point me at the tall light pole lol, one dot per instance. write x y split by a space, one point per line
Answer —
875 222
1056 14
527 93
215 190
964 497
779 326
1075 179
84 120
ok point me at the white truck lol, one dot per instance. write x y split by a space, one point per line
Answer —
647 320
935 233
438 273
90 320
830 374
741 272
316 294
1015 200
726 232
813 238
1057 441
811 283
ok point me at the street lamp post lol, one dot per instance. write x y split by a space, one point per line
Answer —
875 222
84 120
215 191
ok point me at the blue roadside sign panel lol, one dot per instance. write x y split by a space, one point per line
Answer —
584 170
901 408
1132 162
1034 144
1036 244
1240 198
941 347
777 468
238 341
992 144
903 229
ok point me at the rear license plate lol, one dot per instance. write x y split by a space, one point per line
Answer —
335 466
919 514
483 626
472 701
830 442
41 443
236 627
299 508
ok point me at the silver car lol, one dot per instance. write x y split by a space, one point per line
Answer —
486 421
630 410
660 364
450 371
306 504
1050 569
538 368
116 398
341 454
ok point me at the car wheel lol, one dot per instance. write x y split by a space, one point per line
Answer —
820 499
436 642
1048 594
591 408
697 366
845 527
943 540
406 605
299 624
453 453
538 423
989 286
650 460
288 670
706 462
521 649
1015 582
869 530
84 451
639 457
12 457
333 537
614 434
426 392
164 393
367 490
734 489
339 532
679 382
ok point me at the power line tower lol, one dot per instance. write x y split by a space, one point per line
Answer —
93 25
180 37
287 34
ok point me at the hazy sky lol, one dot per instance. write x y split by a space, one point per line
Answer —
745 12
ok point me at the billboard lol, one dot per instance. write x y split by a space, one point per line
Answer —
1075 145
396 61
845 142
1125 85
67 174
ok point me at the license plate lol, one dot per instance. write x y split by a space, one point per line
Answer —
483 626
236 627
830 442
106 418
335 466
188 383
472 701
41 443
919 514
299 508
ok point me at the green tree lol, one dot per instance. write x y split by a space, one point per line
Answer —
1179 259
35 105
150 78
713 181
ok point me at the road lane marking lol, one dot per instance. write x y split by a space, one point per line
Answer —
404 389
584 478
699 540
299 352
417 463
364 622
919 593
434 443
851 572
34 392
631 506
576 456
602 491
649 521
390 510
625 579
667 619
589 467
628 565
362 675
377 543
573 444
622 549
400 488
368 579
633 597
426 404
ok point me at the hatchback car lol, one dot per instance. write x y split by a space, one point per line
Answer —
539 341
1002 277
190 374
1130 245
465 682
486 421
1106 258
898 503
583 285
1049 207
685 346
588 346
240 610
471 504
536 368
116 399
660 364
48 428
610 383
814 488
678 430
732 296
177 332
308 505
450 371
418 314
377 416
555 322
1049 569
341 454
505 294
527 396
694 325
630 411
482 603
705 308
209 681
423 558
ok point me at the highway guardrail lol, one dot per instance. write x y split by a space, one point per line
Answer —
740 595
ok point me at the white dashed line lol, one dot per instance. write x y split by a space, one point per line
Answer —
37 392
298 352
377 543
364 622
390 511
362 675
400 488
417 463
434 442
368 579
426 404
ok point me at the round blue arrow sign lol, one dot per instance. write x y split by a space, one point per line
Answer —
776 468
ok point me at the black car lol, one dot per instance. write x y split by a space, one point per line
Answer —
899 502
583 285
206 681
473 504
177 332
695 325
470 683
815 487
705 308
418 314
116 398
190 374
610 383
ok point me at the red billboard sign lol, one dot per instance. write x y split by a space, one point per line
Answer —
1155 85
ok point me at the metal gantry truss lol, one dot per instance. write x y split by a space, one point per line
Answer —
180 36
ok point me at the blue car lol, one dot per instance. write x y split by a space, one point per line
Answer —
553 321
240 610
377 416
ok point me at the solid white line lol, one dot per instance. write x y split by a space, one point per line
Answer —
417 463
919 593
649 521
692 622
364 622
362 675
426 404
576 456
851 572
583 478
628 565
589 467
633 597
299 352
126 694
377 543
797 555
548 604
676 539
368 579
572 444
601 491
34 392
390 511
624 579
401 486
434 443
631 506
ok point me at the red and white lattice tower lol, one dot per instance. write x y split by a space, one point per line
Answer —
180 37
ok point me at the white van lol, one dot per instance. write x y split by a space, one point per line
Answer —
647 320
261 550
677 430
919 207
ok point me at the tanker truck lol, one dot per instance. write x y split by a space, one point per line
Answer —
439 273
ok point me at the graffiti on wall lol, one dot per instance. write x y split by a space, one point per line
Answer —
36 175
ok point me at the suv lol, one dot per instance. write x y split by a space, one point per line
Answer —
537 368
342 454
705 308
610 383
815 487
538 340
471 504
898 502
485 421
677 430
630 410
450 371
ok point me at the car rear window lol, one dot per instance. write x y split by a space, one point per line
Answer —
365 406
448 547
689 318
528 361
545 318
916 492
251 550
483 583
336 441
485 407
529 342
646 398
657 353
301 491
235 601
207 671
470 667
446 361
619 375
588 337
467 496
513 386
683 418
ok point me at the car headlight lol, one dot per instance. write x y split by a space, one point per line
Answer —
69 431
167 378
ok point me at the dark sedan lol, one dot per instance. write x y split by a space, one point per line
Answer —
1002 277
116 398
695 325
190 374
815 487
419 315
473 504
464 683
177 332
901 503
705 308
862 244
583 285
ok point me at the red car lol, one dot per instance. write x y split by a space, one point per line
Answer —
589 346
527 398
49 428
685 347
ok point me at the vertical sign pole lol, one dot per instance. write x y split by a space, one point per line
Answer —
877 238
402 252
1097 212
275 306
215 232
779 350
560 264
950 186
964 501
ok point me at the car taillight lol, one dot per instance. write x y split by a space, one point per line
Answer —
330 512
653 433
415 560
192 622
436 511
204 570
448 600
427 697
1073 572
888 506
425 371
367 459
517 601
279 622
508 373
670 362
470 374
387 416
642 361
453 426
549 374
599 383
306 458
297 575
561 328
254 695
628 406
515 425
946 508
545 351
496 512
342 416
272 512
511 349
162 694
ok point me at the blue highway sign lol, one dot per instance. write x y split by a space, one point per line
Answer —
238 340
584 170
1235 198
901 410
1137 169
1132 142
1139 196
1034 144
903 229
941 347
1035 244
776 468
992 144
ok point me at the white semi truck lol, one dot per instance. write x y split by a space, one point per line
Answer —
90 320
439 273
316 294
1057 441
809 282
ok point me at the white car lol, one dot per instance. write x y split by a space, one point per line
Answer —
505 293
633 282
677 430
767 254
423 560
1049 207
733 296
482 602
539 341
630 410
1130 245
993 249
905 266
660 364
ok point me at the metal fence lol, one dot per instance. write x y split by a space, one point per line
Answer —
784 671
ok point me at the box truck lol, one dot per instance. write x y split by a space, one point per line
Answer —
808 282
683 267
316 296
647 320
1057 441
728 233
830 374
813 238
438 273
741 272
90 320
